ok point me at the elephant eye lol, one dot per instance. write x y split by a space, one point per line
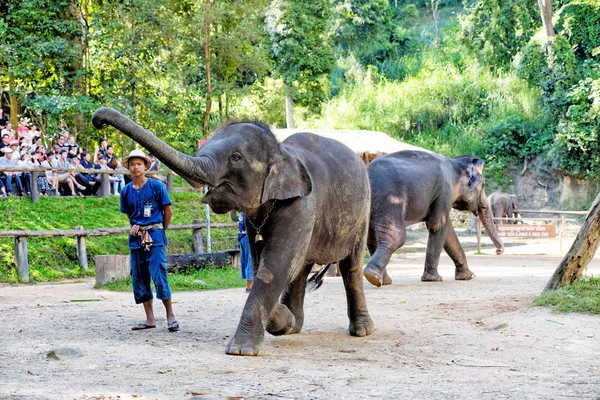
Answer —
235 156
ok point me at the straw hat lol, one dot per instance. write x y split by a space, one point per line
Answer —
137 154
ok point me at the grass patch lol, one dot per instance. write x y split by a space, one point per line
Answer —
582 296
203 279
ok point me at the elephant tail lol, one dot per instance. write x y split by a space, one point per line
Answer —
316 279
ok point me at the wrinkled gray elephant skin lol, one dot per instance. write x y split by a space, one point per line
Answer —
414 186
308 198
504 205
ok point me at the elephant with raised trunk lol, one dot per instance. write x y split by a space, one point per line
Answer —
415 186
306 202
504 205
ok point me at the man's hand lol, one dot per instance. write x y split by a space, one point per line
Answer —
135 229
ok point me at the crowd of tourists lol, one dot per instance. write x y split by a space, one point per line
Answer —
23 147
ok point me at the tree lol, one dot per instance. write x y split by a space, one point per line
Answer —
546 13
39 48
302 52
581 252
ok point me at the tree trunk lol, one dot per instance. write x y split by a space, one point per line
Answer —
581 252
289 111
546 13
14 103
207 66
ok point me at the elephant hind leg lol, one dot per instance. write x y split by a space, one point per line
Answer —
360 321
390 238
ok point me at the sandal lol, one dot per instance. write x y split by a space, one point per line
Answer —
173 326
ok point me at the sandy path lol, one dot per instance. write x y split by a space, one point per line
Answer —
465 340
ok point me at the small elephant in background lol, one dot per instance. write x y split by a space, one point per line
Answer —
414 186
504 205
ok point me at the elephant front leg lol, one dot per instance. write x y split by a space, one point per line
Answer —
457 254
288 317
360 321
261 304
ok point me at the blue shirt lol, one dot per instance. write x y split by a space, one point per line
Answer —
145 207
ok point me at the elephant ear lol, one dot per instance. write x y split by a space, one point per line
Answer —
475 172
287 179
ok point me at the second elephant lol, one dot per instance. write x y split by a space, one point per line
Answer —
504 205
414 186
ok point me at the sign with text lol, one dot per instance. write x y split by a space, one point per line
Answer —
540 231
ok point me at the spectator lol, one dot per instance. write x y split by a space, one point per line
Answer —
38 158
154 166
72 146
8 177
51 176
101 150
33 129
56 149
62 143
5 143
83 179
25 176
3 119
86 162
36 142
14 146
118 181
8 129
23 130
68 177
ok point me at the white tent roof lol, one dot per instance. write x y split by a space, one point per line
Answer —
371 142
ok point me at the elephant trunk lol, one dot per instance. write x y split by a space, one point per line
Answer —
487 219
190 168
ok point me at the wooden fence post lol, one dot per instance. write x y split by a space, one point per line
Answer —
81 250
21 258
197 238
105 186
35 194
170 183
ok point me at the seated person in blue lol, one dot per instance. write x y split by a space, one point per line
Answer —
148 206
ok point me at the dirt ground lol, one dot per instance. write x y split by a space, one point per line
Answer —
480 339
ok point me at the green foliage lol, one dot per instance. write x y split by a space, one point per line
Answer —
581 296
302 51
497 30
56 258
203 279
579 22
578 140
36 43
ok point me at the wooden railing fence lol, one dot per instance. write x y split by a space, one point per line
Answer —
21 237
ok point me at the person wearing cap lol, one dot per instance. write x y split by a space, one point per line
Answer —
14 146
148 206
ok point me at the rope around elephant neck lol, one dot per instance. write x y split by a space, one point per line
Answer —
259 237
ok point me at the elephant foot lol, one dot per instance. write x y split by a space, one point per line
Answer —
373 275
244 347
464 275
282 321
431 277
386 278
362 326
